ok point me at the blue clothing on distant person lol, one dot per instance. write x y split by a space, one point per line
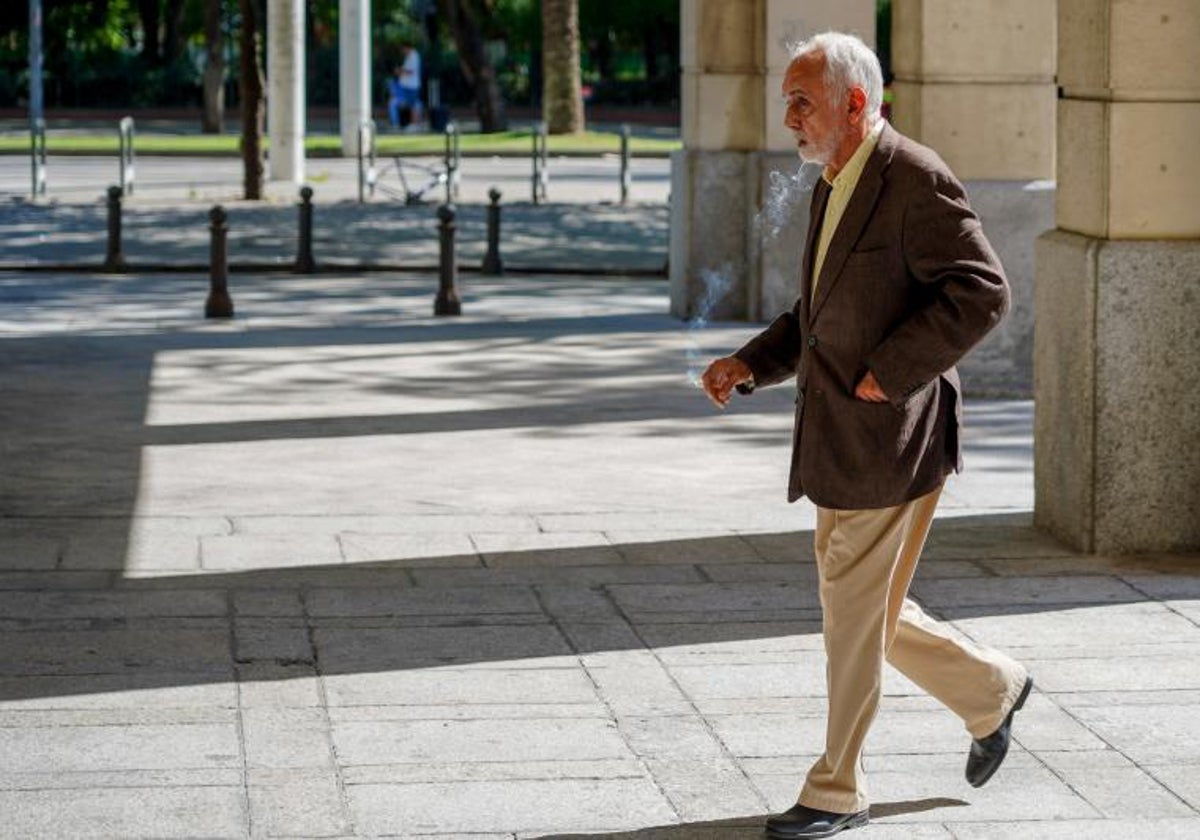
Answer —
404 88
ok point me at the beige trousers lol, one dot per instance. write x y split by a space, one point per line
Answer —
866 560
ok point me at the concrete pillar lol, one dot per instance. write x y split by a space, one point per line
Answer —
1117 418
285 89
975 81
739 206
354 70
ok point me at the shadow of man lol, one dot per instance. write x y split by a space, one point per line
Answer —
743 828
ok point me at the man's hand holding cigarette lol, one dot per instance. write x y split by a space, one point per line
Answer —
722 377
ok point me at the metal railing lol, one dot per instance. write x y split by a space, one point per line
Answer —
37 156
452 160
626 176
541 173
125 150
367 174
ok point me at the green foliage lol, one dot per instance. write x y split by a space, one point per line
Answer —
93 50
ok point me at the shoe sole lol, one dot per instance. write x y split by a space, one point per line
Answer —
857 821
1017 706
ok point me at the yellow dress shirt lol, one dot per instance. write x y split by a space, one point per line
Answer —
841 188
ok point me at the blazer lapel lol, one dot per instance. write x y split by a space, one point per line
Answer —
816 215
855 217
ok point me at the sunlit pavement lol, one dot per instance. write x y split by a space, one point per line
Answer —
338 568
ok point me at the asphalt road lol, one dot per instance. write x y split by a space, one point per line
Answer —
84 179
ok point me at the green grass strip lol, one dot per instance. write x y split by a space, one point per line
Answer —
326 145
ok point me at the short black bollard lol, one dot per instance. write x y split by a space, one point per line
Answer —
626 177
219 303
447 302
305 264
114 260
492 263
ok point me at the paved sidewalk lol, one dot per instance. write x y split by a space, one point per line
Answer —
340 569
346 235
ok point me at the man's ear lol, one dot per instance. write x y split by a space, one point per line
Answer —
856 104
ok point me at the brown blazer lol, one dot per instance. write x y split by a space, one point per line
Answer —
908 286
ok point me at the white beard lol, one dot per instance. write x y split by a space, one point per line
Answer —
811 153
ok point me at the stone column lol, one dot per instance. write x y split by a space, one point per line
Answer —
1117 418
285 86
354 70
739 207
975 81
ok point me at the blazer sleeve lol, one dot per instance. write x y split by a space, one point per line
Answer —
773 353
944 250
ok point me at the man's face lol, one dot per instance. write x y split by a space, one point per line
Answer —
812 116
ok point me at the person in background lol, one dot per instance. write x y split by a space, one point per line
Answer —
404 90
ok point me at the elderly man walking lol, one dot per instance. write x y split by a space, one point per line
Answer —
898 283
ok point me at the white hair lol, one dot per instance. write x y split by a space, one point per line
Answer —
849 63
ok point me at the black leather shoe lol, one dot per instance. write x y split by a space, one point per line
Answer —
987 754
800 822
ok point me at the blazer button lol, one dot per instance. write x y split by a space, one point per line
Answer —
812 341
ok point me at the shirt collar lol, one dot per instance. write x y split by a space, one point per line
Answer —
857 160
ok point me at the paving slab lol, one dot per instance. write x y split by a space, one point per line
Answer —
705 787
44 749
494 646
126 812
1183 780
493 771
285 738
595 805
448 688
298 804
1160 829
400 742
1146 734
1115 786
1072 627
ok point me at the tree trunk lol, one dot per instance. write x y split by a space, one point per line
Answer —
172 46
466 19
213 121
562 99
148 11
251 93
650 52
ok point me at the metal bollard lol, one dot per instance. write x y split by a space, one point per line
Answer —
366 159
37 156
446 302
305 264
541 175
626 177
452 159
113 259
219 303
125 151
492 263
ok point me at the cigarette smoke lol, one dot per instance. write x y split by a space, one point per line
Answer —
715 285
